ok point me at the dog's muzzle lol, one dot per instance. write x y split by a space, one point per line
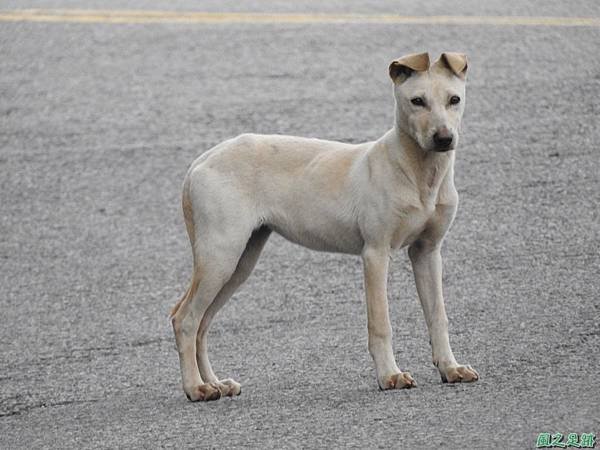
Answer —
443 140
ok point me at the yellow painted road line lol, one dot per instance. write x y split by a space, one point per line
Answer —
142 16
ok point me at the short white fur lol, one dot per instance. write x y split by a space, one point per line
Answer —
367 199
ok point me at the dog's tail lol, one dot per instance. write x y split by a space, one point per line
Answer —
189 225
189 294
175 308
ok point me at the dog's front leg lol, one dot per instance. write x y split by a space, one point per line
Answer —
389 376
427 266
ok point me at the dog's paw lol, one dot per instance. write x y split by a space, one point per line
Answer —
401 380
229 387
203 393
459 374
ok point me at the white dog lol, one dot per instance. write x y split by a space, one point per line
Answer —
366 199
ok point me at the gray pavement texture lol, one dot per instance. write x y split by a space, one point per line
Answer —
98 124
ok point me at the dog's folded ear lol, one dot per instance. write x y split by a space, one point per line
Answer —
456 63
402 68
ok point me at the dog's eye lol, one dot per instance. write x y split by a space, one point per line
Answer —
454 100
418 101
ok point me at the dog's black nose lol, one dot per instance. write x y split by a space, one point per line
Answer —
442 140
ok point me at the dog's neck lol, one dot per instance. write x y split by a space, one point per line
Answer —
425 169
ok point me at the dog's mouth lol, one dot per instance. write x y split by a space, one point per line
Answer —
442 149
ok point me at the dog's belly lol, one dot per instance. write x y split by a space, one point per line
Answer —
320 234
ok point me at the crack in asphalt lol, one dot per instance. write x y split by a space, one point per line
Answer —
22 403
84 354
20 408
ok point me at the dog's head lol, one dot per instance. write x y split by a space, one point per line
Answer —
430 99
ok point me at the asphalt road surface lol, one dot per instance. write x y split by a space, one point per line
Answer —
98 124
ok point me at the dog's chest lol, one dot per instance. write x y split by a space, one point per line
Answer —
411 217
426 207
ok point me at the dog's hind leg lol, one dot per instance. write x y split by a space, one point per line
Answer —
219 227
245 265
217 257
